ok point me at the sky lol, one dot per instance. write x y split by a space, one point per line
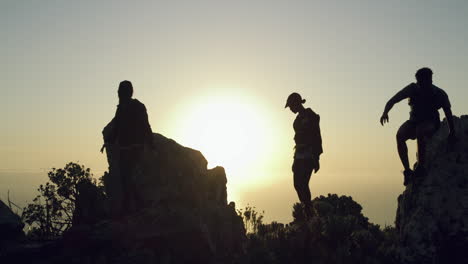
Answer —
215 75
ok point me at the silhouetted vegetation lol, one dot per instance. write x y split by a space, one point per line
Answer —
335 232
251 218
51 212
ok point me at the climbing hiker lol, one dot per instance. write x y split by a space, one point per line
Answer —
307 149
425 99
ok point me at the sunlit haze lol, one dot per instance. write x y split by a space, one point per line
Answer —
233 131
215 75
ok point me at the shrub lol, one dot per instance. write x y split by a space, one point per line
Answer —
335 231
51 212
251 218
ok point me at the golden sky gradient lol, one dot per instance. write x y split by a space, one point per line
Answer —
214 75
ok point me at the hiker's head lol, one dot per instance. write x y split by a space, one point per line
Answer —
125 90
294 102
424 77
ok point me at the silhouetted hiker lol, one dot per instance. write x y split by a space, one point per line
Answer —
308 147
130 130
425 99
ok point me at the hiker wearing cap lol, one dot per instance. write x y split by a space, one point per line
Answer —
425 99
308 146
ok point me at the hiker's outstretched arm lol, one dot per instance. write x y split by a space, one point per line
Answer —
401 95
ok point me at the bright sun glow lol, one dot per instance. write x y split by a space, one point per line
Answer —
230 131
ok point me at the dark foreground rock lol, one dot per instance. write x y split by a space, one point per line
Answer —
178 212
432 214
171 210
11 228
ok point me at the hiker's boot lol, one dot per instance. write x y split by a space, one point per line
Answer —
408 176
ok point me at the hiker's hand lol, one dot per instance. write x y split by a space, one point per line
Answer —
102 148
384 119
317 166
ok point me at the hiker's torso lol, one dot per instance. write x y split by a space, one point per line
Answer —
426 103
131 121
307 135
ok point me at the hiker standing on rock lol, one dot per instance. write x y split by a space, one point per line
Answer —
130 131
425 99
308 147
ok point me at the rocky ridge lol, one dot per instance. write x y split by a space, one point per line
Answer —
432 214
180 212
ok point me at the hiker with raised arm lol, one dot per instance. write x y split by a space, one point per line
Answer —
425 99
308 147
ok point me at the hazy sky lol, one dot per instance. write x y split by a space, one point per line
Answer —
214 75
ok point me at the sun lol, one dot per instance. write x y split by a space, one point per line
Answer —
230 131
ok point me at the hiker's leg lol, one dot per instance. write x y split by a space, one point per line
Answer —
132 191
130 159
125 170
421 150
424 132
301 181
309 166
406 131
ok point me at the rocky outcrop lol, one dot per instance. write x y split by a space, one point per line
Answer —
178 213
11 227
432 214
91 205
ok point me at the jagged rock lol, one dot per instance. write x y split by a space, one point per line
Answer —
432 214
181 212
11 231
90 204
11 227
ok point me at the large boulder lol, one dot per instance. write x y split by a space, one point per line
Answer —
91 206
432 214
180 212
